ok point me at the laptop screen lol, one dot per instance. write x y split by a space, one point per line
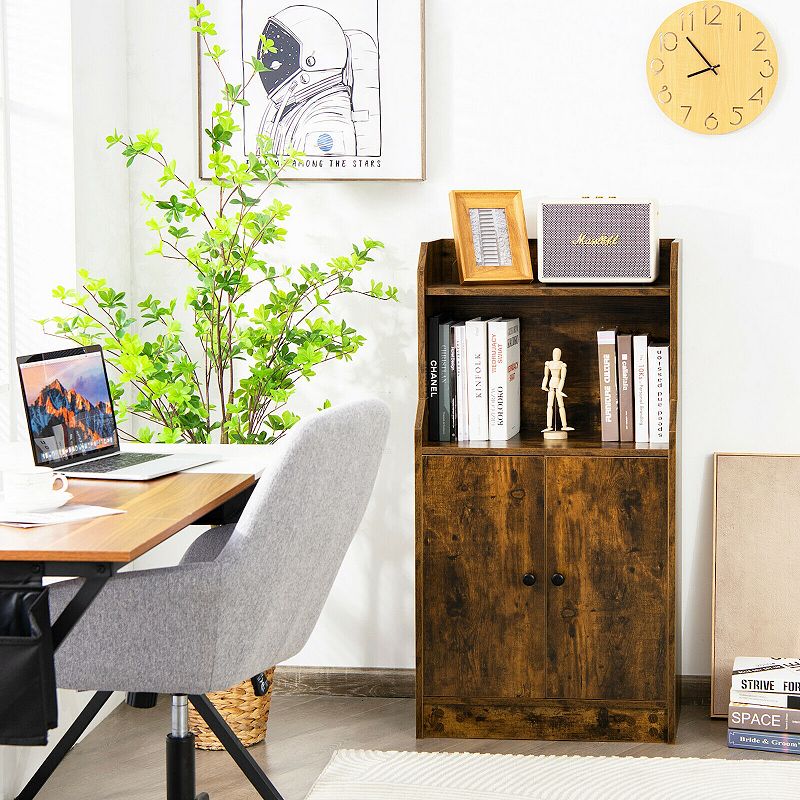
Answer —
68 405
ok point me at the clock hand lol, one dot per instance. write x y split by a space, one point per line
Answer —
707 69
713 69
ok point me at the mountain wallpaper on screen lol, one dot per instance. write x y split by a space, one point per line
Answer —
82 422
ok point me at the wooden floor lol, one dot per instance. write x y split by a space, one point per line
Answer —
123 759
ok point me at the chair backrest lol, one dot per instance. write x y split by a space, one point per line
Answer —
286 550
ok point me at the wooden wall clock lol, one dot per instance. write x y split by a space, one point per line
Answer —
712 67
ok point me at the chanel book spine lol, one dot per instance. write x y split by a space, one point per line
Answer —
445 382
609 397
504 379
641 390
759 718
433 379
771 742
658 369
625 381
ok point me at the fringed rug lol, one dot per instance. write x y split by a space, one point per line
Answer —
374 775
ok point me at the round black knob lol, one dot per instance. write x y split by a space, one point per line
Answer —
529 579
557 579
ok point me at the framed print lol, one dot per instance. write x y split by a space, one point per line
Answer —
491 238
756 550
343 85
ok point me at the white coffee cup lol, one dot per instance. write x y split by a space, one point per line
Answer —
32 486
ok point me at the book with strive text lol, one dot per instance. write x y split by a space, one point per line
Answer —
433 379
758 740
609 397
504 378
780 675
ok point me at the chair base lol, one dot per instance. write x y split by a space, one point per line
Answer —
180 754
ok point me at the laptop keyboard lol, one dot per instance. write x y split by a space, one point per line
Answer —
113 463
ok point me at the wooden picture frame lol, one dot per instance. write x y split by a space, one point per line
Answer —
491 238
756 553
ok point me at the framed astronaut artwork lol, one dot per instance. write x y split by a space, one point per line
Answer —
344 85
491 237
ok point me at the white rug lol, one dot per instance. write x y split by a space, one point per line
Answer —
374 775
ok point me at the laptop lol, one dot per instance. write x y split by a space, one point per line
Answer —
71 420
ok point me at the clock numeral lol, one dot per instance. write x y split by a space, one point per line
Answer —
759 48
656 65
737 110
739 17
770 67
758 97
688 111
667 39
712 20
664 96
687 21
712 123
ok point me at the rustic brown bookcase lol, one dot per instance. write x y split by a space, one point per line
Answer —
586 647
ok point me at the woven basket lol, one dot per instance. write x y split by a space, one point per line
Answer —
241 709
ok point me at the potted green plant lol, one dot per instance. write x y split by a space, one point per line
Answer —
232 378
254 331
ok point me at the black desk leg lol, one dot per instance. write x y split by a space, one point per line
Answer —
237 751
63 746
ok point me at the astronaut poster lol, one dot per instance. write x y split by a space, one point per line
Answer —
343 85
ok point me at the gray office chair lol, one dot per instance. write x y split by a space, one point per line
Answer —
244 597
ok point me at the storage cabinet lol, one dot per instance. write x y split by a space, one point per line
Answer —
545 571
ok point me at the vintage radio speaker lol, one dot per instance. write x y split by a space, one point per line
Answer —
598 240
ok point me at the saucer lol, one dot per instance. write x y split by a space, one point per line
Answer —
42 503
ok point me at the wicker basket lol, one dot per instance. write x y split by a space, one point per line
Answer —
241 709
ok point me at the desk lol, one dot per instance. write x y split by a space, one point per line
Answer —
96 549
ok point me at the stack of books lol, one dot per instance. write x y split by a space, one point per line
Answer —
634 388
764 712
473 379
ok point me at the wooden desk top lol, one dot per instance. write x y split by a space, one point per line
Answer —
155 510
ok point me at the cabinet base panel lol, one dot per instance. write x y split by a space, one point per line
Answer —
595 721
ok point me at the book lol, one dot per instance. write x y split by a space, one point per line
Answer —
609 397
759 718
771 742
781 675
641 390
658 371
462 413
766 699
477 379
504 378
444 381
453 391
433 379
625 383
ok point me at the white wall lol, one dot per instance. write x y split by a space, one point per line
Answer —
550 98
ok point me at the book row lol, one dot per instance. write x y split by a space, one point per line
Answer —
473 379
634 388
764 710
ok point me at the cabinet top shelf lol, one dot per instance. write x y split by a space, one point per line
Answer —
542 290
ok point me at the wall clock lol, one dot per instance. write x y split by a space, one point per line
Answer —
712 67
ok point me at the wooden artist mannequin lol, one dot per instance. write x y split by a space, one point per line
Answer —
555 376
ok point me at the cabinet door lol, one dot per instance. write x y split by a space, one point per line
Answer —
607 529
483 628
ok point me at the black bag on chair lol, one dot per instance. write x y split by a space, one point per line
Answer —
28 707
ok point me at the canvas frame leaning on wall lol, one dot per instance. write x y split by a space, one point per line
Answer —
346 86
